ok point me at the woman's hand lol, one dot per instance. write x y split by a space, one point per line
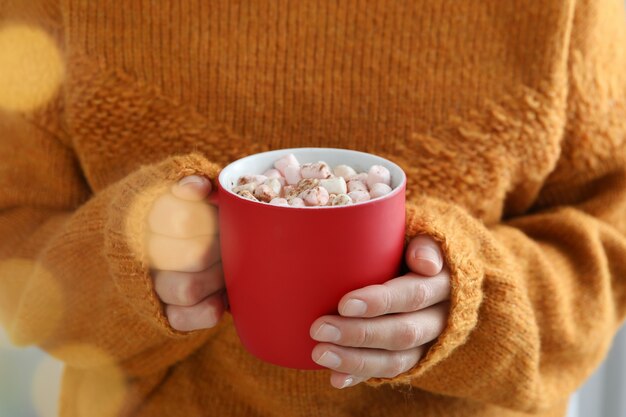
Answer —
384 330
185 260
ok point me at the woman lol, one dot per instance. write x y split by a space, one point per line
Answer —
506 116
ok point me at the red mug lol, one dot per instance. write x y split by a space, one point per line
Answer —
286 266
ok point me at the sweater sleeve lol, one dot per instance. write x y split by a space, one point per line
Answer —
74 278
537 299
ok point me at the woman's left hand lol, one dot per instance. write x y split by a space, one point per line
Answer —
384 330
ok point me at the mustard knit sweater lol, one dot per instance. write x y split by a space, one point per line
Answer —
509 118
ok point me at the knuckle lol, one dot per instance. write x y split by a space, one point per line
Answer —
360 365
420 295
397 365
386 299
196 254
161 286
409 336
189 292
364 335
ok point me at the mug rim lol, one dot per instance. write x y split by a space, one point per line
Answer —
396 190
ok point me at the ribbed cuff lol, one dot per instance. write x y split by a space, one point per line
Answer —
449 225
126 228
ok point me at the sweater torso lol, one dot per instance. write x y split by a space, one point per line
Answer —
468 97
447 91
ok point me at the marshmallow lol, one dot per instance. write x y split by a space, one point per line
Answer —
344 171
316 170
378 174
247 195
296 202
264 193
288 190
274 184
334 185
246 179
279 202
249 187
314 184
359 196
379 189
292 174
272 173
341 200
359 177
285 161
302 186
316 196
356 185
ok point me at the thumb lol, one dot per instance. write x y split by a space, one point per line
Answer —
192 188
423 256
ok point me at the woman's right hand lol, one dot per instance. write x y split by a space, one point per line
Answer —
184 253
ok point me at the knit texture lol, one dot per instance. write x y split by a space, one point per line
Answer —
508 118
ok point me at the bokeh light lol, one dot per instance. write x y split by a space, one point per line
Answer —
46 388
103 386
40 311
31 68
135 225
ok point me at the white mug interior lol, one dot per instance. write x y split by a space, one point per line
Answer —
360 161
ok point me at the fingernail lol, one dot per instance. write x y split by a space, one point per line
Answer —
329 360
354 307
428 254
192 179
327 333
349 380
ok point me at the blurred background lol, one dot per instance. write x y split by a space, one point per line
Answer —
29 381
30 384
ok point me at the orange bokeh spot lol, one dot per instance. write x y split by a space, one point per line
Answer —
31 304
31 68
103 386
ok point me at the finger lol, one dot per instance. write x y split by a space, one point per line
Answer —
203 315
342 380
391 332
423 256
366 362
192 188
187 289
404 294
173 217
184 255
